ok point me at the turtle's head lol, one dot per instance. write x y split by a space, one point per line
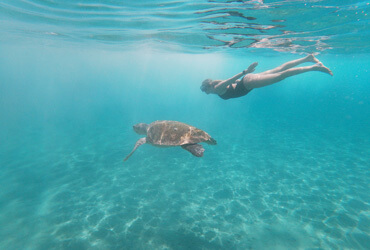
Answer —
141 128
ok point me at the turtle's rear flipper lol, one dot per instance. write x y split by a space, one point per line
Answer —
196 149
140 142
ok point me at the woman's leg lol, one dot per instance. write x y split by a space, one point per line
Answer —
252 81
291 64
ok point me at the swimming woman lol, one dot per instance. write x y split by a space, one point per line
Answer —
233 87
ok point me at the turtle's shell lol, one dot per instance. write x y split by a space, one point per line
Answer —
173 133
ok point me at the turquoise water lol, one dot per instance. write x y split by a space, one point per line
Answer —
291 167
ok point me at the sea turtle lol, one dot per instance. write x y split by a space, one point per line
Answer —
172 134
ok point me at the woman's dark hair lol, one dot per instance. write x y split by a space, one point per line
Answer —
205 84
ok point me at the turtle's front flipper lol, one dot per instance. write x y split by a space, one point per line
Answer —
140 142
195 149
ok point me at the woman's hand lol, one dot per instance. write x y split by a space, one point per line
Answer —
251 68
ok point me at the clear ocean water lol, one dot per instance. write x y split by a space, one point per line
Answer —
291 169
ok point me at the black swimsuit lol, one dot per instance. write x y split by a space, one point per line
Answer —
236 92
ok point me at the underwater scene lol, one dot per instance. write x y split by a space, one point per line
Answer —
282 163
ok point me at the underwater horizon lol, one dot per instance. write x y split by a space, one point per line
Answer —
291 168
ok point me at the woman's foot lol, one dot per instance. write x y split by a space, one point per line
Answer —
320 67
312 58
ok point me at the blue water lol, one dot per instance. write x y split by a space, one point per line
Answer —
291 169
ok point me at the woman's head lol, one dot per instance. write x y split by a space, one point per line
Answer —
206 86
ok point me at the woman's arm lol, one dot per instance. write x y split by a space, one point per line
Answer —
222 86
